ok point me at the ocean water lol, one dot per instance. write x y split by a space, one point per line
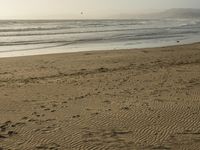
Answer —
19 38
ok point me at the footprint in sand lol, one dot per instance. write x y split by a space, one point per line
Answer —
76 116
125 108
11 133
112 138
50 146
2 137
24 118
48 109
6 129
95 114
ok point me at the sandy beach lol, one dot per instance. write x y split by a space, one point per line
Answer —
140 99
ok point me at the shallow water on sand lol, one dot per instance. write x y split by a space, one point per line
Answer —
18 38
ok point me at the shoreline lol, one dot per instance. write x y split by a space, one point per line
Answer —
94 51
120 99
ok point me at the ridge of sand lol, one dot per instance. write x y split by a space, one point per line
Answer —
142 99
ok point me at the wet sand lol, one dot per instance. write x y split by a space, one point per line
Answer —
143 99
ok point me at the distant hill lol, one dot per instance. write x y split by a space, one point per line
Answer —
182 13
176 13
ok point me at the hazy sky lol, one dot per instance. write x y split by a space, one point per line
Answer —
71 9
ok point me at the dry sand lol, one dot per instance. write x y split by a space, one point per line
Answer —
109 100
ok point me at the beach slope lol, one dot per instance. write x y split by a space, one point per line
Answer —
118 100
